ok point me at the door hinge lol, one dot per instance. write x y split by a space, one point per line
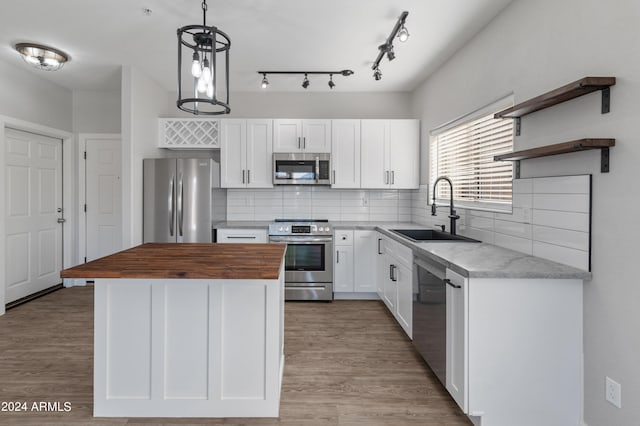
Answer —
85 208
85 155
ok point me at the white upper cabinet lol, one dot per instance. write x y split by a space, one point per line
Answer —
245 153
389 154
345 154
302 136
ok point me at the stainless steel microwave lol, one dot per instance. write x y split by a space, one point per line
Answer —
301 168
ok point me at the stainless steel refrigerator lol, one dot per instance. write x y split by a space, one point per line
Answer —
181 199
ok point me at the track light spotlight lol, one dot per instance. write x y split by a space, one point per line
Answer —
265 82
331 83
305 82
403 34
391 55
377 74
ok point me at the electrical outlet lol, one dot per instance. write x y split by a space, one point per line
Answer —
613 392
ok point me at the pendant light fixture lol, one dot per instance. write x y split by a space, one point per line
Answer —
203 80
42 57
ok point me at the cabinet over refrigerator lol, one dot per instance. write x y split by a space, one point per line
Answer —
180 199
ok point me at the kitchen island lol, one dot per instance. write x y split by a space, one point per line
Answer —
188 330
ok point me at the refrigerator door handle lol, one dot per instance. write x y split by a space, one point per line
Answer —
172 206
180 205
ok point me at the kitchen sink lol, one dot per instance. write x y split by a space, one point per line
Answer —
431 235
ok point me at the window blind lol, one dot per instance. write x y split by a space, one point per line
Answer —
464 153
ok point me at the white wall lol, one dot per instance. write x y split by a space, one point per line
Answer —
25 96
97 111
533 47
266 104
143 101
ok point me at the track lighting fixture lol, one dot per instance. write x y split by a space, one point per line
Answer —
400 31
203 84
306 82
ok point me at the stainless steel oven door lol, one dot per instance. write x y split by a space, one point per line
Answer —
308 259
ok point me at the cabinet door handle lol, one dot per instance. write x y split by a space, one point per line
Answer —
337 256
394 277
304 142
379 240
393 178
299 143
386 177
248 176
333 177
391 272
448 282
243 176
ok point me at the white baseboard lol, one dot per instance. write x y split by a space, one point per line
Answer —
355 296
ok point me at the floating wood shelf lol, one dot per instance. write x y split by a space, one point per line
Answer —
562 94
561 148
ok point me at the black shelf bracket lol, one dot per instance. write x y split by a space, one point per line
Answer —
606 99
604 160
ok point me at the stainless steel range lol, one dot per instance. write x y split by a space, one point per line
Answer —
308 259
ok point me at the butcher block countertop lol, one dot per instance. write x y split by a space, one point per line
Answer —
186 260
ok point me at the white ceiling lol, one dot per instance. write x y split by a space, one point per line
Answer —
318 35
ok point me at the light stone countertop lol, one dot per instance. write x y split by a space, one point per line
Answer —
473 260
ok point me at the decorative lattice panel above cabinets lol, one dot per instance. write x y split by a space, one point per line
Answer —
189 133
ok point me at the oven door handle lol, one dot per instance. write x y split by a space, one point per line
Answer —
301 240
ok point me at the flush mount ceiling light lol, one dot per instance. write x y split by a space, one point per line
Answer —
400 31
42 57
206 83
305 82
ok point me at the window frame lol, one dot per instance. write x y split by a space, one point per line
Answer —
490 206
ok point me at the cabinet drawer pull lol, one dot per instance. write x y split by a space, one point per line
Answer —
379 240
393 178
448 282
337 256
243 176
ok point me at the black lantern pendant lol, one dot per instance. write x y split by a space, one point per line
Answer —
203 90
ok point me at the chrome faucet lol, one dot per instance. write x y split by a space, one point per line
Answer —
452 213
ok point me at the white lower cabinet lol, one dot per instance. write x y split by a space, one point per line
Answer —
242 235
514 349
343 262
456 364
394 279
353 265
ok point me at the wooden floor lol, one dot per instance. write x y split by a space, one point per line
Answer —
347 363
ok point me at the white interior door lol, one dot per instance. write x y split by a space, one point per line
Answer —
103 196
33 167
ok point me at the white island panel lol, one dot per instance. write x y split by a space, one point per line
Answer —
188 347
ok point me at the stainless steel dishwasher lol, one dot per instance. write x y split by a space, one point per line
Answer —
430 314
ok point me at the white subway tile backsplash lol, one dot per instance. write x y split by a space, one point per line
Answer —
522 186
576 258
562 185
563 220
562 237
515 229
523 245
562 202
